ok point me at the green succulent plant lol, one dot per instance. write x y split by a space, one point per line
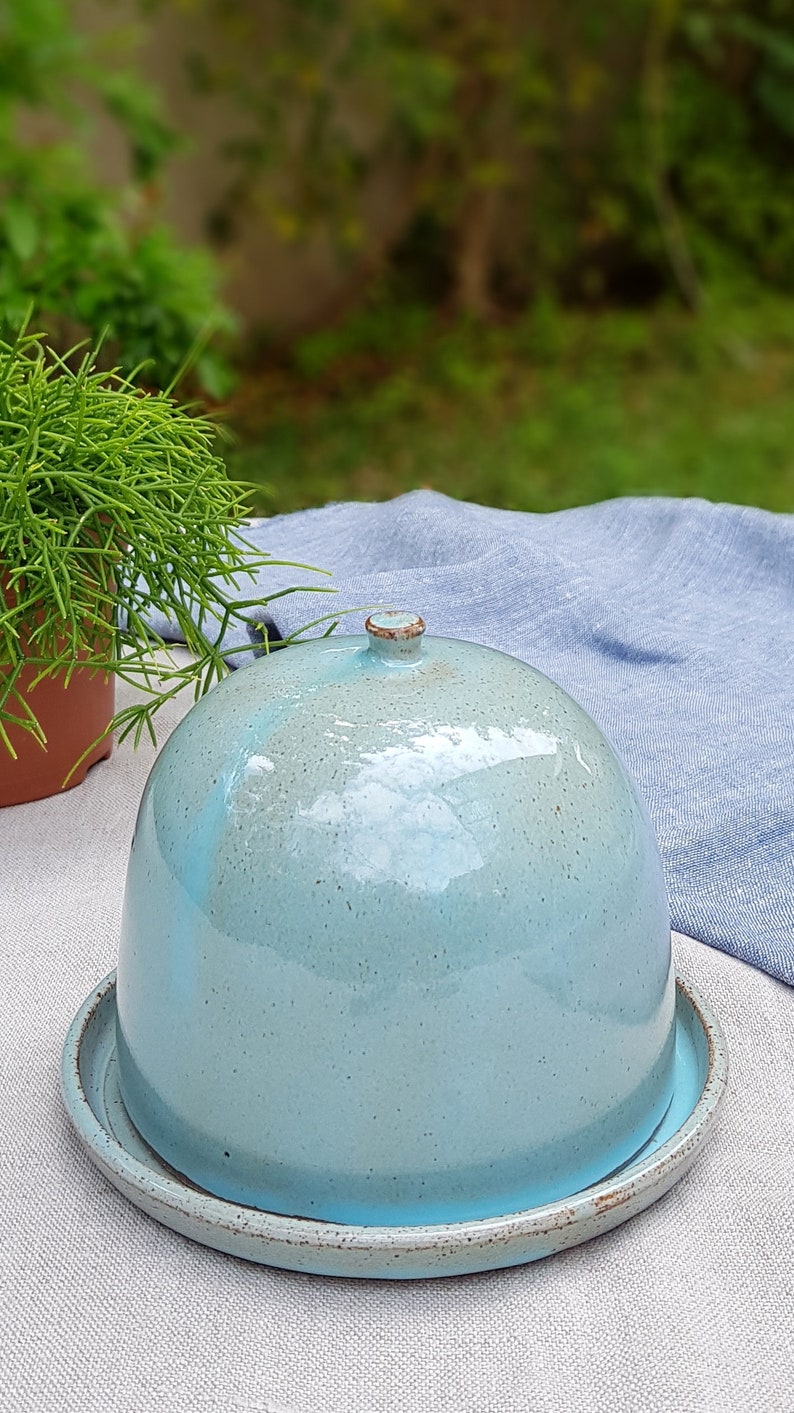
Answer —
113 504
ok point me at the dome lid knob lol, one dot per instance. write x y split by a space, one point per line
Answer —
395 635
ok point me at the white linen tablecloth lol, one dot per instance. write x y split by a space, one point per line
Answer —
690 1306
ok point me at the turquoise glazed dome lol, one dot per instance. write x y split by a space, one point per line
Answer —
395 948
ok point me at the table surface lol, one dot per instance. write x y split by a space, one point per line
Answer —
690 1306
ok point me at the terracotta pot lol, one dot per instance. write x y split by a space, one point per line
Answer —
71 716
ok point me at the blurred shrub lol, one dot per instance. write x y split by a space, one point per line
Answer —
602 153
93 259
491 158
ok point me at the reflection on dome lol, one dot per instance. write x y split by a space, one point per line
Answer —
392 820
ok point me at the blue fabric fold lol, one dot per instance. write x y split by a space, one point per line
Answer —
670 621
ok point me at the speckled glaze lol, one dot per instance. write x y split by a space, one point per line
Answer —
395 946
94 1104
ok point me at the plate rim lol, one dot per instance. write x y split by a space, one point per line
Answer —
298 1243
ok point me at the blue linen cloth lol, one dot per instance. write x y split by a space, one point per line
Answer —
670 621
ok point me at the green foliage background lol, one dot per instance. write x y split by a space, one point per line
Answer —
589 236
94 259
606 153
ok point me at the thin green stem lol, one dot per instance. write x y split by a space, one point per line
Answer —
114 507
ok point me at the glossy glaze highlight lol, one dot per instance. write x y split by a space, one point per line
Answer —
395 945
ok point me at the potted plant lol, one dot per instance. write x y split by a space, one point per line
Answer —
113 503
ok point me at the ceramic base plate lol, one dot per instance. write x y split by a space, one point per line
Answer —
91 1092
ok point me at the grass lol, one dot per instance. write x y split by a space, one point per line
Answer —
556 410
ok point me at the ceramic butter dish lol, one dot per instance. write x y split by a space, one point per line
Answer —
395 960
